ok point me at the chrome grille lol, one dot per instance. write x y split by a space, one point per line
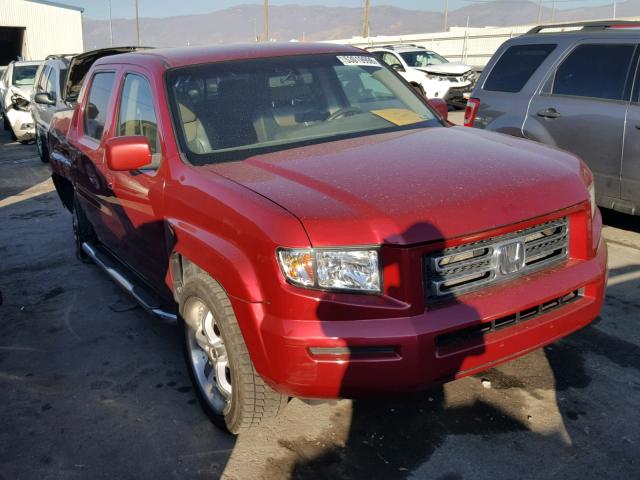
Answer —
476 265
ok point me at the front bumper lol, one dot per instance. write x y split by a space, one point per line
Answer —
417 361
22 124
456 95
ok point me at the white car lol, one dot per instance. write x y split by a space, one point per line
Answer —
429 73
16 85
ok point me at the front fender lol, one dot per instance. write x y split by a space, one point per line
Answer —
221 259
233 270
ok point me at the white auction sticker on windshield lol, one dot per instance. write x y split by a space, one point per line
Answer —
358 60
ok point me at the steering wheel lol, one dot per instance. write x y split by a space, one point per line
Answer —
344 112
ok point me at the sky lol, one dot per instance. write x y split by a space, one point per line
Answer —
165 8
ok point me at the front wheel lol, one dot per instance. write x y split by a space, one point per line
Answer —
7 126
43 151
227 385
419 89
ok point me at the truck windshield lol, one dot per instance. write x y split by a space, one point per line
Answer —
230 111
423 59
24 75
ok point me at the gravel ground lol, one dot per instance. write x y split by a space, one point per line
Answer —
93 387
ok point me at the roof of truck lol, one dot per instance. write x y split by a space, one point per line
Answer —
182 56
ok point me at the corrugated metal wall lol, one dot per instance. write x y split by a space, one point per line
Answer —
49 29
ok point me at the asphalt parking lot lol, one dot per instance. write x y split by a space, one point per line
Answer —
93 387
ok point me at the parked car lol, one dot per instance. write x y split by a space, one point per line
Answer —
329 235
429 73
576 90
46 97
50 96
15 90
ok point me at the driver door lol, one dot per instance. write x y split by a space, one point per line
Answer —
137 196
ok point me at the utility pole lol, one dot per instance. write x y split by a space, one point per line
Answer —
445 24
110 25
265 27
365 21
614 9
553 11
540 12
137 25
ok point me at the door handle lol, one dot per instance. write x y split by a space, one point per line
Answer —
549 113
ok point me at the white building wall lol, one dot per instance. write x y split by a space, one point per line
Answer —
49 29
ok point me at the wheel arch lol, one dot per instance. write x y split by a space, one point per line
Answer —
248 314
197 251
65 190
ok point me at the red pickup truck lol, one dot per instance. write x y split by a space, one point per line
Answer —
316 227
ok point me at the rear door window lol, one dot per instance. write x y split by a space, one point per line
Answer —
516 66
596 71
95 111
390 59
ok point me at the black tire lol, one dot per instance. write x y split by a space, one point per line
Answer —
7 126
43 149
251 401
82 230
5 122
418 89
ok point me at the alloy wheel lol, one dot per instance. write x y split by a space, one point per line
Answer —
208 355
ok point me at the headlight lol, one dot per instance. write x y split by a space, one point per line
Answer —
332 269
592 198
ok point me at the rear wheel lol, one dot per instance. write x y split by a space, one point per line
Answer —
82 230
228 387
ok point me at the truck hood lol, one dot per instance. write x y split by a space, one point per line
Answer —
447 68
412 186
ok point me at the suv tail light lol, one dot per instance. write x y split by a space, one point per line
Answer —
471 111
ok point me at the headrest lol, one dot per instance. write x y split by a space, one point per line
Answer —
187 115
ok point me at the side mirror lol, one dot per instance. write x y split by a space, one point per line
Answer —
44 98
397 67
440 106
128 153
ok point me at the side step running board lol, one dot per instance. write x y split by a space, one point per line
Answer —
147 299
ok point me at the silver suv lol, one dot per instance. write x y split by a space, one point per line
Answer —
46 97
572 86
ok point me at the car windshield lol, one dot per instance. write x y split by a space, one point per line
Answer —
24 75
422 58
230 111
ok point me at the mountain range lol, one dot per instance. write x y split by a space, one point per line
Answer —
304 22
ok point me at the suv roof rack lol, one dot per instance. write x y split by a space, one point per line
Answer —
60 55
598 25
398 45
